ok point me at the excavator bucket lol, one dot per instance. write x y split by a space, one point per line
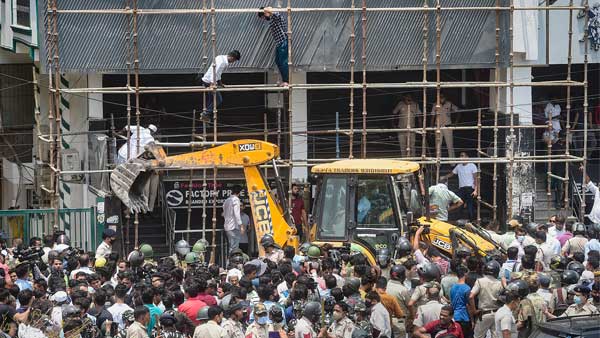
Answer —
129 181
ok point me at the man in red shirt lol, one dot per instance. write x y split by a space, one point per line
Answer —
207 298
444 325
298 211
192 304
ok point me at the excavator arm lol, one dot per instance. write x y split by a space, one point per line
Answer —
129 181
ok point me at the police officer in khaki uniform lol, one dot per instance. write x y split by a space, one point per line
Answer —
233 326
428 273
531 309
395 287
486 289
581 306
260 327
405 113
429 311
310 316
342 326
443 116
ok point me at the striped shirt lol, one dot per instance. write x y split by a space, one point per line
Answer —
278 28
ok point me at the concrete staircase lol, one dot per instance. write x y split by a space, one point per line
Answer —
544 204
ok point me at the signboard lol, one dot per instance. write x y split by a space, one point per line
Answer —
177 193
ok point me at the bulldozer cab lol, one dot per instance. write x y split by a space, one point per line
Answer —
366 203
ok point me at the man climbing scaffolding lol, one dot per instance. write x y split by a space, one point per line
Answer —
278 29
221 63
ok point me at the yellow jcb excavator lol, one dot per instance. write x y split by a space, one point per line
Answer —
362 205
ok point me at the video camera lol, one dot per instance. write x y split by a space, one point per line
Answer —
30 255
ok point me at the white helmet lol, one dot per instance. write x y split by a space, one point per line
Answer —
152 127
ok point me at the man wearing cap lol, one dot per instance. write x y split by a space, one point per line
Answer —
145 136
272 251
581 307
167 327
342 326
109 236
509 235
261 325
58 299
233 325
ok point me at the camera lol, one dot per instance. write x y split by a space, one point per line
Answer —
31 255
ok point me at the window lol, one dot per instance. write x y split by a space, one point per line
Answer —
333 221
374 205
409 197
21 13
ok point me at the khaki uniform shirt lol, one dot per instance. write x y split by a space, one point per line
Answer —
210 330
258 331
532 307
576 310
233 328
446 110
487 289
420 295
428 313
397 289
403 111
304 329
573 245
341 329
137 330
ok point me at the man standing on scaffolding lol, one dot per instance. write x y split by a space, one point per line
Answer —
221 63
278 29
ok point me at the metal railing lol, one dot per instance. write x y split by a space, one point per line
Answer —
79 224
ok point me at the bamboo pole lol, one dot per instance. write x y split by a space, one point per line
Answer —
568 106
330 86
136 69
496 111
425 62
309 9
191 180
57 112
511 152
52 145
290 107
364 80
352 64
585 108
128 42
438 106
213 35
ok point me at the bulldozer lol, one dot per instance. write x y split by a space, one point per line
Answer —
362 205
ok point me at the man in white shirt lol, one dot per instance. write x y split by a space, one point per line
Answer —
467 183
109 236
380 317
233 225
145 136
209 79
552 112
117 309
594 215
558 227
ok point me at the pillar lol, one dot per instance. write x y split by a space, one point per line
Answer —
522 145
299 125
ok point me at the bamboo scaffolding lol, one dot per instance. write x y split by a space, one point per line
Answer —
331 86
511 158
128 43
311 9
585 108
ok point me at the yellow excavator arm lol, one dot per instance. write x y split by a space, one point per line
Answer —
129 181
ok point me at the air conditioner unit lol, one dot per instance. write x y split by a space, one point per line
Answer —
70 162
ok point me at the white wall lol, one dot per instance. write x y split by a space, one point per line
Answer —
559 37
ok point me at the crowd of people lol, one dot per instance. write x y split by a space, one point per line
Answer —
548 270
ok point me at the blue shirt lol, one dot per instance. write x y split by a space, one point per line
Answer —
23 284
155 313
459 297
